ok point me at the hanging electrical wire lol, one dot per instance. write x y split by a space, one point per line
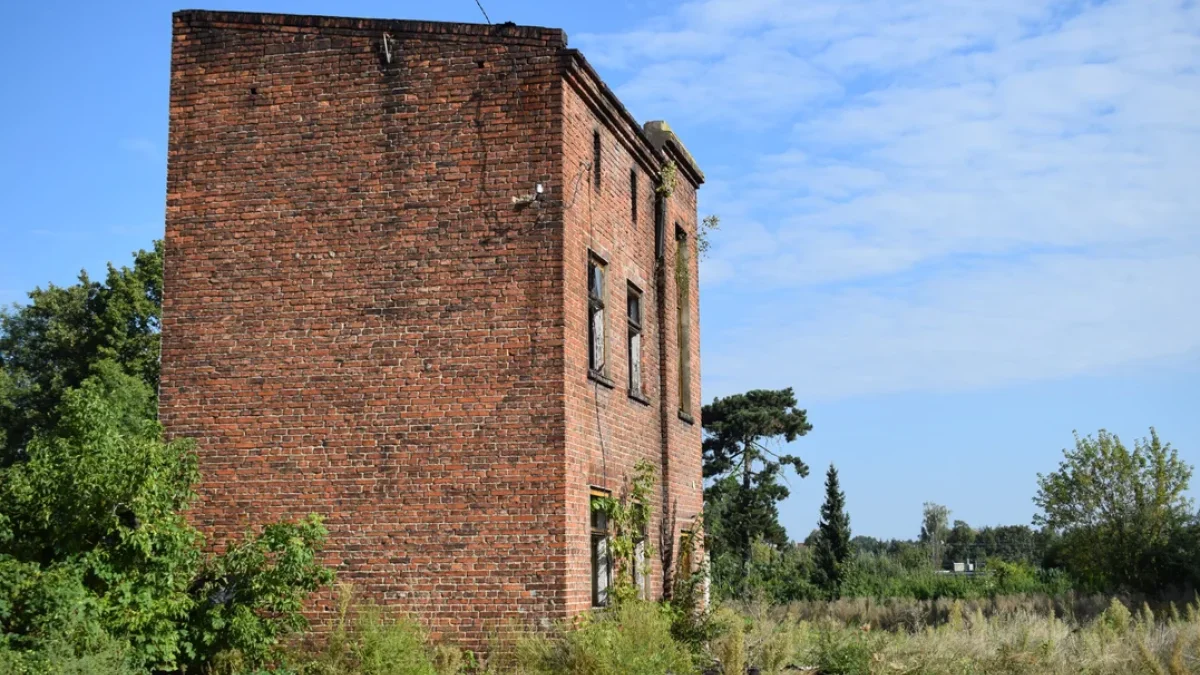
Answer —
484 11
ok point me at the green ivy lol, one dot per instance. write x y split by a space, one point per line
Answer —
628 521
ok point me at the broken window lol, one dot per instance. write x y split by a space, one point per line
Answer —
596 314
634 310
641 571
683 314
601 560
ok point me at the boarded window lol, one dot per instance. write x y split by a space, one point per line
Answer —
683 314
596 275
634 311
601 560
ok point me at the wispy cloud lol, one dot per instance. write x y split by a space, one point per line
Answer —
143 147
951 194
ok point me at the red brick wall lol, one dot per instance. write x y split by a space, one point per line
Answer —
608 431
357 321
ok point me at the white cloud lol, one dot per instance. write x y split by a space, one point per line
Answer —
141 146
966 192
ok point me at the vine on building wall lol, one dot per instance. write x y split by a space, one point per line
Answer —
628 521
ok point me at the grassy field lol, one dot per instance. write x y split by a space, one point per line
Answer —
1006 635
1001 635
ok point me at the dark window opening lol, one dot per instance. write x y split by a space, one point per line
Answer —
596 315
633 194
634 312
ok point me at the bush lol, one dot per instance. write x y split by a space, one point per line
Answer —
95 548
367 641
633 638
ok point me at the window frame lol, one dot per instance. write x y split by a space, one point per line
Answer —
635 328
599 546
633 196
683 322
597 361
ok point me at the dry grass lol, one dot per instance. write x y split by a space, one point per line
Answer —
1015 638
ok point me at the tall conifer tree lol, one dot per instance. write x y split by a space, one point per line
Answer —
833 541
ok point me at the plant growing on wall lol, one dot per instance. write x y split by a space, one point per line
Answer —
668 177
628 546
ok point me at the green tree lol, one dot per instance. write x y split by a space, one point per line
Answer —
832 546
960 542
1118 511
1013 543
935 520
49 345
745 473
96 558
93 541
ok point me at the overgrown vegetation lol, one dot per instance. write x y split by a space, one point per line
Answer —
99 569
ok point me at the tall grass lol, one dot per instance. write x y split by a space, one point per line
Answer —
1023 638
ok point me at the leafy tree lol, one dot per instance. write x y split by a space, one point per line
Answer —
934 530
832 549
960 543
93 541
744 471
48 346
864 544
1118 511
97 561
1013 543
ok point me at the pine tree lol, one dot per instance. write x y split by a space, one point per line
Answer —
833 540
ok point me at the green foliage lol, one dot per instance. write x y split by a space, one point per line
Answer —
628 522
633 638
94 542
251 597
845 652
99 499
50 345
668 178
778 575
745 490
368 641
1119 511
832 547
960 543
60 655
711 223
935 520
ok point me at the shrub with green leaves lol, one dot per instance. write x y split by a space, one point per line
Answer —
632 638
94 547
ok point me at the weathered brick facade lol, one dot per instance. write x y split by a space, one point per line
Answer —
360 322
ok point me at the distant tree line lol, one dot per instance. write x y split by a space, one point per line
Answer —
1112 518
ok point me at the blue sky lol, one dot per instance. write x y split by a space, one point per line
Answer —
958 229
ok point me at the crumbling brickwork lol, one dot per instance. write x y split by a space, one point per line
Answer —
360 322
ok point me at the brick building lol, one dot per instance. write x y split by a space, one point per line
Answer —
428 280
